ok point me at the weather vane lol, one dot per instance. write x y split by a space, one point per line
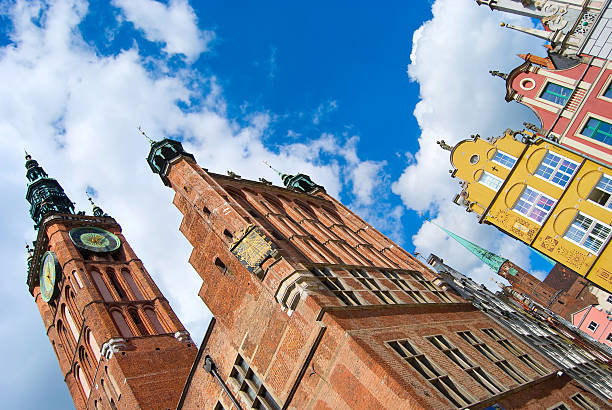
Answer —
145 135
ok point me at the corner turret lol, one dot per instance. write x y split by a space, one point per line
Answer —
163 154
298 182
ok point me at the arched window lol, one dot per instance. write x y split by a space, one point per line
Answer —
66 340
138 322
101 285
113 384
77 278
80 376
68 318
86 365
71 305
116 285
220 265
122 325
93 345
159 329
127 275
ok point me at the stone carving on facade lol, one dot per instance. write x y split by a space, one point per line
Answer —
552 12
112 346
183 336
586 22
291 290
549 243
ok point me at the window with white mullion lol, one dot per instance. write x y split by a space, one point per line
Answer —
461 360
556 169
503 159
588 233
534 205
602 192
432 373
490 181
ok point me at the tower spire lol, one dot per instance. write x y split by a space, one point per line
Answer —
546 35
97 211
489 258
299 182
44 194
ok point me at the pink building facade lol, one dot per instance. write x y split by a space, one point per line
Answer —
595 322
574 104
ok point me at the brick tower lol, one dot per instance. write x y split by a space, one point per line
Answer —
315 309
118 342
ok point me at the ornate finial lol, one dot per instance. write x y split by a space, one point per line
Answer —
444 145
145 135
502 24
97 211
532 127
496 73
272 168
27 156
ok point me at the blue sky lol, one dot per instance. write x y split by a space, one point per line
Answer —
353 95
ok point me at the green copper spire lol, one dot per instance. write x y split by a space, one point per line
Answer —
44 194
489 258
299 182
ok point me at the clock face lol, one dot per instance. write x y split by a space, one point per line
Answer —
94 239
50 275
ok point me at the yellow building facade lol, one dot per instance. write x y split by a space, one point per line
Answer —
543 194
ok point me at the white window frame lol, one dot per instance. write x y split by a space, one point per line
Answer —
506 154
587 232
608 204
564 85
556 169
493 177
533 205
604 88
596 326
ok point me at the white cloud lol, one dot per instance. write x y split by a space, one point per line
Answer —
76 111
174 24
323 110
450 59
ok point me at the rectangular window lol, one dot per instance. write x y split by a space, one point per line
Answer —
598 130
383 294
490 181
493 356
583 402
608 92
250 386
588 233
534 205
465 363
602 192
503 159
556 169
432 373
335 285
510 347
559 406
593 326
556 93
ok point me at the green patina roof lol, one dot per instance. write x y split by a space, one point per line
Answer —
44 194
489 258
